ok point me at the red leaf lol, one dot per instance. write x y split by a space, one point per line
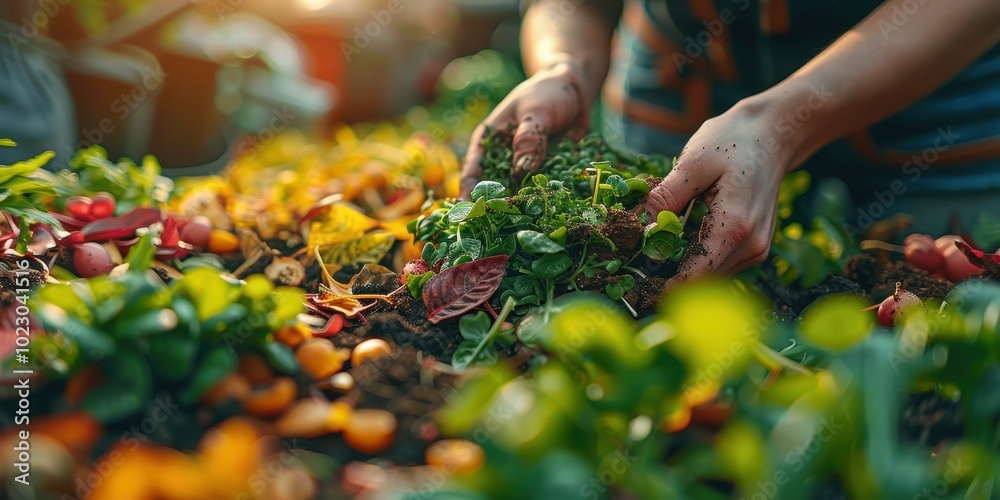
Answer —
457 290
121 227
169 237
978 258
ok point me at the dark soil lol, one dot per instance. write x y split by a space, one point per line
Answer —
407 324
645 296
790 301
915 280
624 229
880 280
929 419
863 269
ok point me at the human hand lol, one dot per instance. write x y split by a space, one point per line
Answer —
550 103
737 164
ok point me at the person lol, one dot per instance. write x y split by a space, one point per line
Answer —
900 98
36 109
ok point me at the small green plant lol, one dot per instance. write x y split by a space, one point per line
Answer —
22 196
141 334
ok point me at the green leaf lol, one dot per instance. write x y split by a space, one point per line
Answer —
8 143
467 210
474 327
127 387
552 265
472 248
141 255
281 357
218 363
660 246
173 355
209 293
90 340
537 243
469 353
502 206
25 167
489 190
666 221
618 186
836 322
415 283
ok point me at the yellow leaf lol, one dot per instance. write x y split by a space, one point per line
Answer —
368 248
398 227
7 142
339 223
345 304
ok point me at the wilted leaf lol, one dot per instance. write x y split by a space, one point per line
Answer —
338 223
459 289
368 248
121 227
988 261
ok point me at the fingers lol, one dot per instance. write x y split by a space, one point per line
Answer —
472 170
530 141
727 240
687 180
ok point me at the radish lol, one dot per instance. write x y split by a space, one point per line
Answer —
91 259
920 251
890 311
197 231
102 205
415 266
956 265
79 207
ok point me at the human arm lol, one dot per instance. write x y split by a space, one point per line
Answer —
876 69
566 51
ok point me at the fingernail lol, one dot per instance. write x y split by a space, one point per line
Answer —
524 162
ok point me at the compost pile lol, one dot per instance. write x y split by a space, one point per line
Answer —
332 320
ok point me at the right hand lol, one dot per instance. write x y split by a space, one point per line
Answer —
549 103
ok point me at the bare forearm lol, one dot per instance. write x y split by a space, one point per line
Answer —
889 61
574 32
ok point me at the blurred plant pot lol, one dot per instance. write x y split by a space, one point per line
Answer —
115 93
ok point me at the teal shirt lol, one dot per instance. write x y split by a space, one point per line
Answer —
679 62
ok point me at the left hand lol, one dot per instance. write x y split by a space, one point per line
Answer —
736 161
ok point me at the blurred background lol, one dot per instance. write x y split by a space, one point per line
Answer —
197 82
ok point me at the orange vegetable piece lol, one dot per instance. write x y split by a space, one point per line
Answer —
459 456
320 359
234 386
273 399
293 335
222 242
370 431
